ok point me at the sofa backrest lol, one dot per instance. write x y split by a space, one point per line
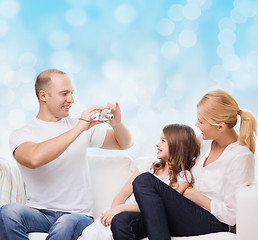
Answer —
108 175
11 183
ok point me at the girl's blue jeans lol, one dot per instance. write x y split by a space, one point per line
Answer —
17 220
164 213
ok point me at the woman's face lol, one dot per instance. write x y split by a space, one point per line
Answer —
208 131
162 148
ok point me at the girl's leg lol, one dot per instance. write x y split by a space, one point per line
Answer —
128 226
168 213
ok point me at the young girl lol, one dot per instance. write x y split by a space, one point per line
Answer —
225 164
176 153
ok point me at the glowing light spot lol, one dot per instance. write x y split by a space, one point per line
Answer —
192 11
29 101
227 37
237 17
27 59
187 38
113 70
124 13
165 27
231 62
9 9
27 75
218 73
76 17
246 8
169 50
10 79
225 50
16 118
4 69
175 87
252 59
4 28
7 96
227 23
65 60
197 2
59 39
175 12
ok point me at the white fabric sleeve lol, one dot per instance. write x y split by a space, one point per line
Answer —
18 137
182 178
239 173
97 137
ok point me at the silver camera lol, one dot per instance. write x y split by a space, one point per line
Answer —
105 115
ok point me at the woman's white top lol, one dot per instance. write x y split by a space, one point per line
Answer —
220 180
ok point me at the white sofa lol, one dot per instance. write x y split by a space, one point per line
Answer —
108 175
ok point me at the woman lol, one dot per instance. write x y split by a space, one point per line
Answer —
177 150
225 164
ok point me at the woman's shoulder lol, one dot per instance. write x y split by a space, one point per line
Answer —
238 149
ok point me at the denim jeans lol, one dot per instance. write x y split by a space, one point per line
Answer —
17 220
164 213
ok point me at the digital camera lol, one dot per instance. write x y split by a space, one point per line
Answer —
105 115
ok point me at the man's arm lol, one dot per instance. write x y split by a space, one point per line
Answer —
33 155
119 137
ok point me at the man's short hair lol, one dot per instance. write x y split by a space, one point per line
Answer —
43 80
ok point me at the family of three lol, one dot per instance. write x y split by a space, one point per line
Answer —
190 189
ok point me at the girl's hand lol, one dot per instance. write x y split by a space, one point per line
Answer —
107 216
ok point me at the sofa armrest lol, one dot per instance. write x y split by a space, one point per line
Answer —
11 183
247 212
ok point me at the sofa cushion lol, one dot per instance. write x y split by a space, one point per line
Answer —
213 236
11 183
108 175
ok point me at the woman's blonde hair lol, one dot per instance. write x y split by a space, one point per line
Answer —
184 148
218 106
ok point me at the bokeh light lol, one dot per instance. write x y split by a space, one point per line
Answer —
156 58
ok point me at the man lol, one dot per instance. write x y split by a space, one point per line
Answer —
51 152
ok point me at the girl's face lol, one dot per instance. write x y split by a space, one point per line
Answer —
162 148
208 131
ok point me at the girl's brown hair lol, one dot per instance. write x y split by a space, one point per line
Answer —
183 147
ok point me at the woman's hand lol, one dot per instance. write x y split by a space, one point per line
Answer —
107 216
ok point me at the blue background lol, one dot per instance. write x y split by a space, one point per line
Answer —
156 58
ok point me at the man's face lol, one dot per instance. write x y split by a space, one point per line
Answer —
59 97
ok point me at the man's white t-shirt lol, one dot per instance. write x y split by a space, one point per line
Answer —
63 184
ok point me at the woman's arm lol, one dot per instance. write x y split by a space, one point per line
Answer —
198 198
182 186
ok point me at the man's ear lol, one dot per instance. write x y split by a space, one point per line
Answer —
42 95
222 126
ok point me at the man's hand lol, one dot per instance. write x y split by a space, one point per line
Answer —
85 121
115 110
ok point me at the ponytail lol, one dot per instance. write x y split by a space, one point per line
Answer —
248 130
